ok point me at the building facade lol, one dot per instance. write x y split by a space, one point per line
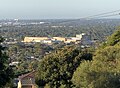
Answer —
27 80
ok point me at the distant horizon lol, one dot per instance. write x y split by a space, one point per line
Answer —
61 19
56 9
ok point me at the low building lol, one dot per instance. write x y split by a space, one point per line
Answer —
82 38
27 80
47 41
60 39
70 41
35 39
80 35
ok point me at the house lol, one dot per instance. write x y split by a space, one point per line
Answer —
27 80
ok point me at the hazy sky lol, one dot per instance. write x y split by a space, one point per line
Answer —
52 9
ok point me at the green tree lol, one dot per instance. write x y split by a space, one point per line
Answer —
102 72
56 69
6 72
114 38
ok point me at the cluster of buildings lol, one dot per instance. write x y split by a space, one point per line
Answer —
82 38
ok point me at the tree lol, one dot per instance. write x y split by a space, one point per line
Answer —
57 68
114 38
102 72
6 72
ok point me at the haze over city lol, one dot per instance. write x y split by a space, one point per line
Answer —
55 9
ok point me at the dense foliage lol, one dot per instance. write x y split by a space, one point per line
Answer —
6 73
102 72
56 69
114 38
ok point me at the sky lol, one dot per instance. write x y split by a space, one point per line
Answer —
55 9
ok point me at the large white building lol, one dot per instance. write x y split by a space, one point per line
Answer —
82 38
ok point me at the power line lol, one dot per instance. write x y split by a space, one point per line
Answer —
99 16
110 15
103 16
106 13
